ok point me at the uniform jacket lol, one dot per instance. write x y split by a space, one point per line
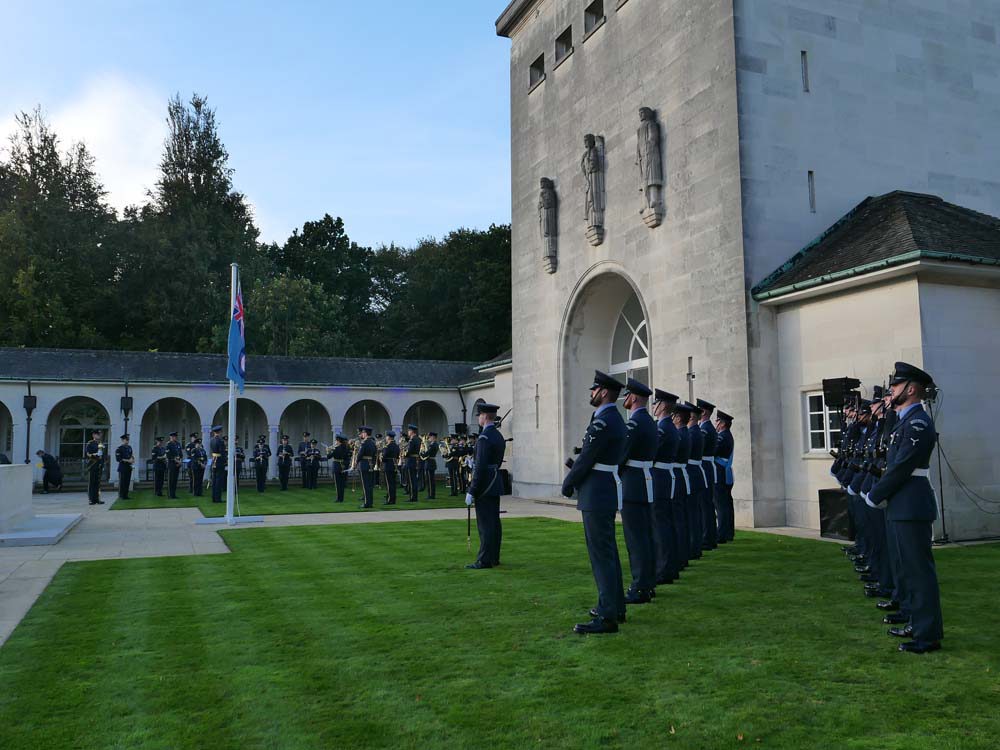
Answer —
490 447
219 453
285 454
412 451
175 454
390 454
122 454
911 443
367 451
261 454
603 443
724 456
694 472
159 456
51 465
199 458
641 441
710 442
666 453
92 450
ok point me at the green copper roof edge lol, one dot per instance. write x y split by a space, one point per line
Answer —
869 267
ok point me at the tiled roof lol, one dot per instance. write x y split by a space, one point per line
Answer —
161 367
888 230
500 359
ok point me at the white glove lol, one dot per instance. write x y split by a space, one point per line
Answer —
468 498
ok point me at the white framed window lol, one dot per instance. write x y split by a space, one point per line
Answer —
822 424
630 344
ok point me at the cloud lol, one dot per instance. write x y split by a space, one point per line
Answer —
123 123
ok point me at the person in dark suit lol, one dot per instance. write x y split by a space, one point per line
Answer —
261 458
367 453
125 459
175 457
412 456
301 458
637 493
286 454
52 475
486 487
709 439
199 460
724 487
682 522
311 466
188 460
911 508
220 455
430 465
594 475
390 456
664 489
95 454
159 457
340 457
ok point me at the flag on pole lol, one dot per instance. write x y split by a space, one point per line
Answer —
237 370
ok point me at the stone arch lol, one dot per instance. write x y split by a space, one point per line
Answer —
366 412
605 327
6 432
305 415
251 421
428 416
68 431
163 416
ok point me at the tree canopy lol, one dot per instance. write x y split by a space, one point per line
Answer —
76 274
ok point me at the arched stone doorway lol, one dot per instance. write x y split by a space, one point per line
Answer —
366 412
160 419
251 422
606 329
429 417
68 431
7 433
305 415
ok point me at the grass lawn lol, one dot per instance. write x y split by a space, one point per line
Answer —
293 500
373 635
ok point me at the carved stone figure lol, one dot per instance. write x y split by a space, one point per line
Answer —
649 158
548 224
592 165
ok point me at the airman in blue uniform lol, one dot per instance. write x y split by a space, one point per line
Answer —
594 475
724 487
696 473
637 492
367 453
911 508
125 459
486 487
219 457
159 458
682 484
665 489
709 440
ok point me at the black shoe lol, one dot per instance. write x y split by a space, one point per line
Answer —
638 597
862 569
876 593
920 647
595 626
888 605
904 632
895 618
595 615
477 566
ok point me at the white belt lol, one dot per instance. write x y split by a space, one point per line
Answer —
613 471
711 463
687 479
701 468
921 473
645 466
692 462
669 468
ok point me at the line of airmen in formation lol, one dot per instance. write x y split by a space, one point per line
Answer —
669 474
415 466
884 465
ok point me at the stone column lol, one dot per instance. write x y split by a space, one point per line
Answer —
272 442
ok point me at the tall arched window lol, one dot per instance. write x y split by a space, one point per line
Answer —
630 343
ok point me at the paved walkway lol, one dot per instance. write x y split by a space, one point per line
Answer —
105 534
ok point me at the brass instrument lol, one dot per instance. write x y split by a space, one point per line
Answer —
355 450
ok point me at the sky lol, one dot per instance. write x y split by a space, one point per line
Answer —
393 114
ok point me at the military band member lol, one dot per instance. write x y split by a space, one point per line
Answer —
412 455
682 485
430 465
390 455
95 455
261 459
451 464
52 475
188 459
159 457
219 457
286 454
709 438
637 492
340 456
241 458
696 473
664 485
175 459
199 460
486 488
126 459
724 487
594 475
301 458
367 453
911 508
313 457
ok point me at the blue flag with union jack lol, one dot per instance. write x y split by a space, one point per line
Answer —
237 370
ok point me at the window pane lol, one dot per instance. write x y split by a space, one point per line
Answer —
641 374
816 422
815 403
621 343
834 437
834 421
633 311
816 441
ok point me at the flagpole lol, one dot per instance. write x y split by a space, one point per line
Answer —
231 429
